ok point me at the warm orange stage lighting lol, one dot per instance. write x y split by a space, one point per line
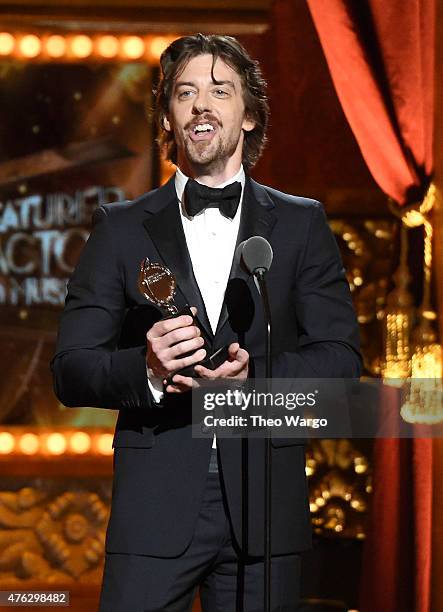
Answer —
29 443
7 43
81 46
30 46
104 444
80 442
56 46
108 46
44 444
56 443
133 47
7 443
157 46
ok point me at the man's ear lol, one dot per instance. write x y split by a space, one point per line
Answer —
166 124
248 124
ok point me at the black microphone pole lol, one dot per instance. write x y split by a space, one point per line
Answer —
257 256
260 276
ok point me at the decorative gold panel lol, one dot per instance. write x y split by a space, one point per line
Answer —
340 484
53 531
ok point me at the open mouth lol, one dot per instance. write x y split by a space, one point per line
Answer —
202 131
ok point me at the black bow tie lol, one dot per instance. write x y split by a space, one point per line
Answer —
198 197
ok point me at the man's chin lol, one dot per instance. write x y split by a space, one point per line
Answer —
203 156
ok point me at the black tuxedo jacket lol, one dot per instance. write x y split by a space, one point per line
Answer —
159 469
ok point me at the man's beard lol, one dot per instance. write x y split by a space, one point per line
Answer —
209 155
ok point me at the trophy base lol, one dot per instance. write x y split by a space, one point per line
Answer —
212 362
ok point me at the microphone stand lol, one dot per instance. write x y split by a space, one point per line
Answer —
259 274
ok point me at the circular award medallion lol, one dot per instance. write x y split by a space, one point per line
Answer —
157 284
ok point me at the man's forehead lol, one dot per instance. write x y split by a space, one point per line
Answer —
204 67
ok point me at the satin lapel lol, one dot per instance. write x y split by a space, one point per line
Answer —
165 229
256 219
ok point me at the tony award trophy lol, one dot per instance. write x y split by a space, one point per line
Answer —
157 284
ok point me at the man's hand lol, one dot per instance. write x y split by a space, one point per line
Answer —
236 367
168 340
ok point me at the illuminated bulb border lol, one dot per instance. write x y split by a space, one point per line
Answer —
53 443
140 48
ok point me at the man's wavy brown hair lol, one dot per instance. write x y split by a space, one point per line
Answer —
173 61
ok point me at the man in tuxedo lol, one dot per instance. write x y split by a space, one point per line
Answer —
187 512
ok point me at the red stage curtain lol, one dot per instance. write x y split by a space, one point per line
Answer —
381 58
396 571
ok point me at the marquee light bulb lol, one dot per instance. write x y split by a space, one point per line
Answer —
7 443
108 46
29 444
7 42
81 46
133 47
104 444
157 46
30 46
80 442
56 46
56 443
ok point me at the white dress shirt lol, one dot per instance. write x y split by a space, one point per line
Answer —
210 238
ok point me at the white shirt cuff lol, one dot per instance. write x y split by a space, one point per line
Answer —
155 384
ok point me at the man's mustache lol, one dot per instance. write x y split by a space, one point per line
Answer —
202 118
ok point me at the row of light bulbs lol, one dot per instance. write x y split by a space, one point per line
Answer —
55 443
81 46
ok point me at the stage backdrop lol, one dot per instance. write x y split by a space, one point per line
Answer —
72 136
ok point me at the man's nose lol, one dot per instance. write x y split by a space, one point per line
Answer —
201 104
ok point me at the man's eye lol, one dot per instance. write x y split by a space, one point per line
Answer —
221 93
185 94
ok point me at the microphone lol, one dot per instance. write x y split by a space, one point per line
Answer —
238 253
257 255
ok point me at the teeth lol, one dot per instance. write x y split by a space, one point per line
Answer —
203 127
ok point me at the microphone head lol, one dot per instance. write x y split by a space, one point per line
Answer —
239 252
257 254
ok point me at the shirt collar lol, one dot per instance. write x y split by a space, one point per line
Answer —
181 179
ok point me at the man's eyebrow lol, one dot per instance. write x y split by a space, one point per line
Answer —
231 83
182 83
191 84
